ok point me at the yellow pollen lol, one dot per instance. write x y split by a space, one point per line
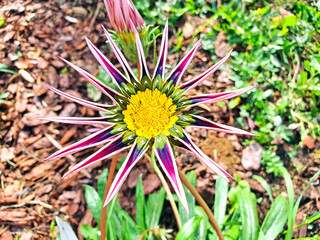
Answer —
150 113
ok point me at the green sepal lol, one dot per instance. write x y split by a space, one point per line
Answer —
128 89
160 141
137 86
176 131
145 83
122 101
128 137
177 94
141 142
115 110
116 119
118 128
185 120
166 87
184 105
195 112
157 83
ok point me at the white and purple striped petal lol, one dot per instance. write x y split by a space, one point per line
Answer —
217 97
189 146
167 161
93 105
112 148
202 122
199 79
161 64
178 71
115 74
80 120
122 60
94 81
95 139
143 69
133 157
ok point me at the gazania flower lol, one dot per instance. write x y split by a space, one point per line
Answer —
149 112
125 19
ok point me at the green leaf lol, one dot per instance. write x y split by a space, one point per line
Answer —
65 231
249 215
102 182
220 202
89 233
192 178
202 231
154 208
276 219
140 204
2 21
94 202
264 184
290 21
188 229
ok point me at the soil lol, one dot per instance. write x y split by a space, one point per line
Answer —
32 192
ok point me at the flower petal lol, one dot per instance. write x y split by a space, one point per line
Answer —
189 146
112 148
199 79
94 81
161 64
178 71
93 105
80 120
217 97
142 59
202 122
134 155
122 60
97 138
167 161
115 74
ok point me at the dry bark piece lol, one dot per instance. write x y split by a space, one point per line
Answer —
309 142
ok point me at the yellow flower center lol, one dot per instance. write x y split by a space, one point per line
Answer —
150 113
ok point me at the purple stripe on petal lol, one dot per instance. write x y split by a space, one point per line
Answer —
106 64
94 81
191 147
160 67
205 123
112 148
79 120
169 166
217 97
178 71
122 60
97 138
134 155
142 59
93 105
196 81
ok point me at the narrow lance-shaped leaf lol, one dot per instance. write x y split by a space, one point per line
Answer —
161 64
167 161
178 71
205 123
134 155
94 139
122 60
199 79
142 59
94 81
93 105
115 74
217 97
112 148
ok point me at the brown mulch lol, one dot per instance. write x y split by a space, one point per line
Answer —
31 191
